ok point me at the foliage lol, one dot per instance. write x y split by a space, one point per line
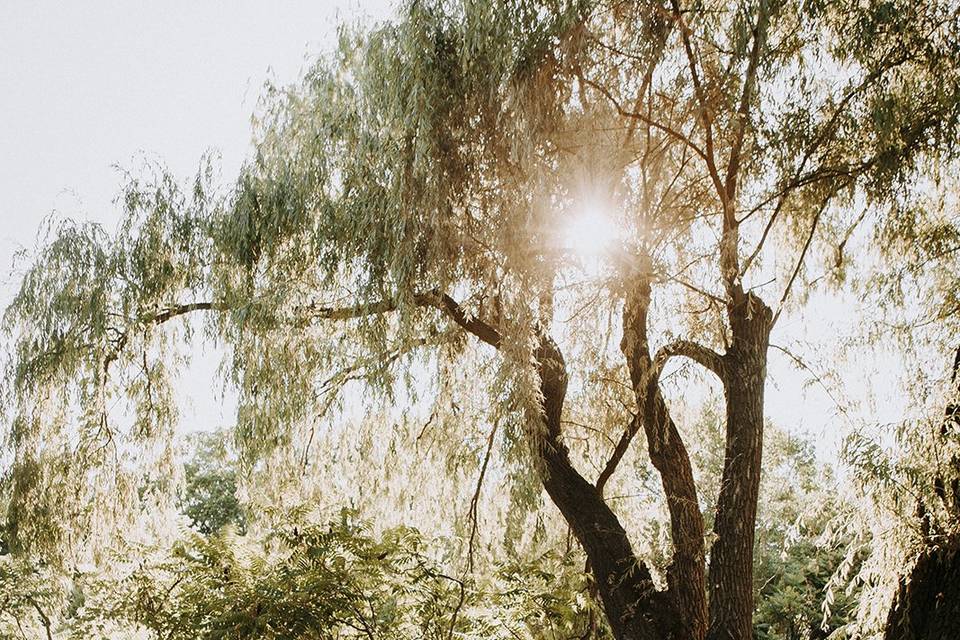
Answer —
906 503
209 495
329 581
408 196
31 598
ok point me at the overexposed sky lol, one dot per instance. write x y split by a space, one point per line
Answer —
88 85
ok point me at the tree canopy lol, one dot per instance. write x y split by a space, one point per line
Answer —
392 269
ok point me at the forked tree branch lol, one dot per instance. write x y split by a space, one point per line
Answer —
743 110
635 115
705 108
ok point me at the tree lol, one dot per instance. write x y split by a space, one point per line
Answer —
911 507
406 199
210 487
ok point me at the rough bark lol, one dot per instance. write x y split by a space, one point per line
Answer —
634 608
730 580
927 604
669 456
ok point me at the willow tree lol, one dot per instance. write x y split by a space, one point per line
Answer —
411 196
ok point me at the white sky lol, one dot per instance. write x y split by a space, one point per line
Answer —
88 85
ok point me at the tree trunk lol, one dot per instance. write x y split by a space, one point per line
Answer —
927 603
635 609
730 580
669 456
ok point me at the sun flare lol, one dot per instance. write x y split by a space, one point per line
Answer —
591 232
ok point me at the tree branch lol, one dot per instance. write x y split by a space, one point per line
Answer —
706 119
668 455
802 257
43 616
678 135
475 500
159 317
743 111
619 450
704 356
483 331
820 173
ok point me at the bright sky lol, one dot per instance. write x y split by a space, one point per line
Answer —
89 85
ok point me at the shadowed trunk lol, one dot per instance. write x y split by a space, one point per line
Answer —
927 603
731 560
634 608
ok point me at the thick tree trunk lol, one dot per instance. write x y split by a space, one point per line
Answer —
669 456
927 604
634 608
731 559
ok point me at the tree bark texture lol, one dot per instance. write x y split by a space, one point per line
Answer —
634 608
686 574
730 580
927 603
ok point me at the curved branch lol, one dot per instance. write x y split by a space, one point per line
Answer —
802 257
44 618
475 500
704 356
317 311
475 326
619 450
158 317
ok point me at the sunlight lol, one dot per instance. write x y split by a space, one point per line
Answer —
591 233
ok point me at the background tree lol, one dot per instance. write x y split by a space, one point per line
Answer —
29 601
401 215
209 496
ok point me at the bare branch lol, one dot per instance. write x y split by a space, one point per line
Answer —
618 452
678 135
743 111
475 500
802 257
706 119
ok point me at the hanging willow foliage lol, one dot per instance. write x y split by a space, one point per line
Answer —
396 239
